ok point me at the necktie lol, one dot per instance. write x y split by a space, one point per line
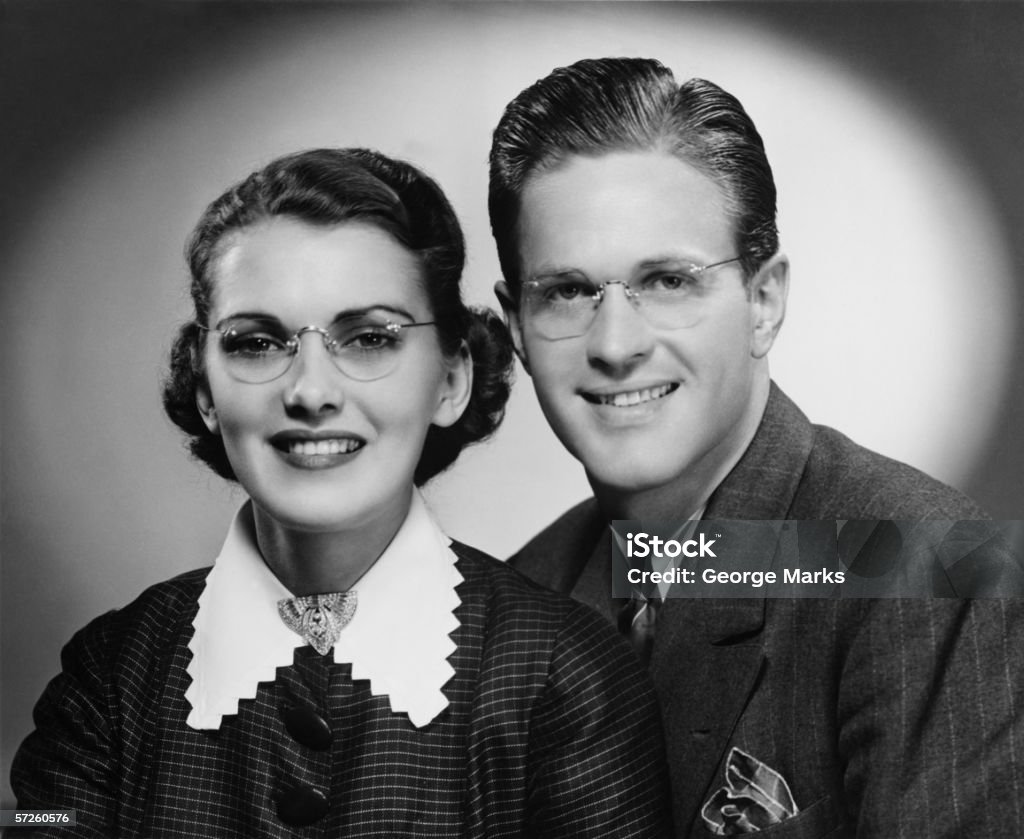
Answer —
637 621
639 616
318 618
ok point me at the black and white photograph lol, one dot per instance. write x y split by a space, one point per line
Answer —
339 333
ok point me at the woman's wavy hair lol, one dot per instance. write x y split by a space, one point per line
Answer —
329 187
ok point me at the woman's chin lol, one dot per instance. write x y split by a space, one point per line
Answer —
309 515
319 512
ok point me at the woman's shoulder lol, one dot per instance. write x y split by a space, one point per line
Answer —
547 638
164 600
517 603
485 575
151 620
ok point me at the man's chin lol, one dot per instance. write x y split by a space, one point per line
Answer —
629 477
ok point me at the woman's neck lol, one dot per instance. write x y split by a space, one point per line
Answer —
316 562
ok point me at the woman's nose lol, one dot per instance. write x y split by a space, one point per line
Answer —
620 335
314 385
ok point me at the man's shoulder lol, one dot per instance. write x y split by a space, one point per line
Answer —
553 557
842 479
575 526
793 469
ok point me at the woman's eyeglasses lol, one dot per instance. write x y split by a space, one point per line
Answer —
257 351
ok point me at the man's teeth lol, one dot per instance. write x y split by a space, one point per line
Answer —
634 397
311 447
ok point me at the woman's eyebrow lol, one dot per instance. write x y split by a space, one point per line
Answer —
554 272
345 314
258 316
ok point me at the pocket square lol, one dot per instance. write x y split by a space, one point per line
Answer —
754 798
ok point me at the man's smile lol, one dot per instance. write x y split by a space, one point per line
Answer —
629 398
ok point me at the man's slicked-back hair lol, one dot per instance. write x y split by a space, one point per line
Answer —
603 105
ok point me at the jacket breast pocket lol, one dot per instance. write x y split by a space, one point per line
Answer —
818 821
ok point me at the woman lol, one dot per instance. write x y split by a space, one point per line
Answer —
343 666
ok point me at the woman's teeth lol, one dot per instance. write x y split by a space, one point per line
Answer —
312 447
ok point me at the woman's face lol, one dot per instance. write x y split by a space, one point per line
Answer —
315 449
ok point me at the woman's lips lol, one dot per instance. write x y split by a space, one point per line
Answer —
334 445
316 451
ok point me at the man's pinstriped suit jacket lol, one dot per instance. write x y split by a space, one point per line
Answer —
551 731
888 718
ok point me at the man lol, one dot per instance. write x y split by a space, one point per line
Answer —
644 287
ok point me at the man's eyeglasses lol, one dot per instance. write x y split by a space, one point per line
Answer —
364 348
565 305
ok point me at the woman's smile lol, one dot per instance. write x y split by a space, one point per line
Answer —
319 449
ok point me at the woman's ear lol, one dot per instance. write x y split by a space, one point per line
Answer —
769 289
204 402
508 306
455 389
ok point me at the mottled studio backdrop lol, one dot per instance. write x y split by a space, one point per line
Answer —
895 132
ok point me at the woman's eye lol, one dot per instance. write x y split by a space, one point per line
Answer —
372 339
252 343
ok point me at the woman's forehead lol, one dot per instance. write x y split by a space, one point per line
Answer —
294 269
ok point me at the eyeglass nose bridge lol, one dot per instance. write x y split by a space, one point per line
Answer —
295 344
631 295
323 333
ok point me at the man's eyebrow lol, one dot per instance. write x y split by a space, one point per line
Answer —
668 259
661 260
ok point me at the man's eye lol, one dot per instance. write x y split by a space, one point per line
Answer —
567 291
669 282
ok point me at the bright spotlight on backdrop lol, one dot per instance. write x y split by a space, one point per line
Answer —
895 205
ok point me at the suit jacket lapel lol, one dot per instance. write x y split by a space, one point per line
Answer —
764 483
707 653
703 681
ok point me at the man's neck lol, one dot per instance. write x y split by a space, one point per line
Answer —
688 493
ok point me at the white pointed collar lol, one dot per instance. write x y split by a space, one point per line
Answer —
398 639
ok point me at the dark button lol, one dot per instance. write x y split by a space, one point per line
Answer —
307 727
301 806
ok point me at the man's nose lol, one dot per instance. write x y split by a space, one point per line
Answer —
314 386
620 335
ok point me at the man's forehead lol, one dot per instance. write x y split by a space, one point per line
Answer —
626 207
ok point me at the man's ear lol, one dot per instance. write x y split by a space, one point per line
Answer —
204 402
511 310
768 291
456 390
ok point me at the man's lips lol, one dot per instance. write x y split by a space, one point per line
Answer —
629 398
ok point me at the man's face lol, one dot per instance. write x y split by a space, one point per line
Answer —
641 406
